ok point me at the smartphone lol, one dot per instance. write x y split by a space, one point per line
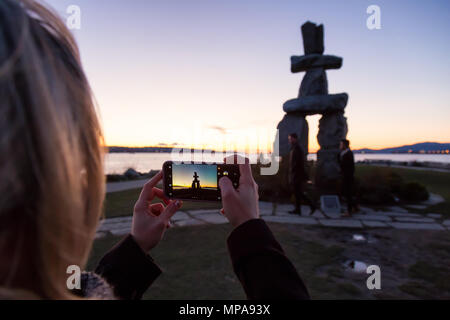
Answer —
194 181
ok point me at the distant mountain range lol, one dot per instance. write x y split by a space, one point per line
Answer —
424 147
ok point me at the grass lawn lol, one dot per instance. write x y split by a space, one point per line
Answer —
434 181
121 203
196 265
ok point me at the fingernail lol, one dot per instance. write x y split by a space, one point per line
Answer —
177 203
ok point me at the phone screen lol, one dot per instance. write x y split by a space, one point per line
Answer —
189 181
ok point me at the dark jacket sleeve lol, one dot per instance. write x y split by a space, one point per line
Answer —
348 165
297 165
261 265
128 269
352 163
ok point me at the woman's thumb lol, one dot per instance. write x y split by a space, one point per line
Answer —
226 187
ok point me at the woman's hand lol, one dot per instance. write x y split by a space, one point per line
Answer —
151 220
241 204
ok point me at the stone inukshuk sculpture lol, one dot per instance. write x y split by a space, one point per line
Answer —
195 182
313 98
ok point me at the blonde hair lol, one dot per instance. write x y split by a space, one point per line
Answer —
52 180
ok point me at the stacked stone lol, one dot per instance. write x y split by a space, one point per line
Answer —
313 98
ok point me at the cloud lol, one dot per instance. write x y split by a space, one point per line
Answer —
222 130
162 144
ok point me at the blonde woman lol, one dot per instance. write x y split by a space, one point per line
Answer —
52 182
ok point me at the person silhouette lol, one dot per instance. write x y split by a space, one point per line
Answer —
347 163
298 175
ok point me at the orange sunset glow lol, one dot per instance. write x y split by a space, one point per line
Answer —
205 77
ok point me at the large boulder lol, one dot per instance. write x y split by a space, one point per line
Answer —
310 61
292 123
322 104
312 38
328 171
131 174
314 83
332 129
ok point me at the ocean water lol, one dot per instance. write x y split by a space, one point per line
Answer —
144 162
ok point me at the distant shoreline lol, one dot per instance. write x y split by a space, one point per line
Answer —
131 150
418 148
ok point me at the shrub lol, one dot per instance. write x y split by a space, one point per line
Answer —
131 174
375 187
381 187
395 182
413 191
375 194
115 177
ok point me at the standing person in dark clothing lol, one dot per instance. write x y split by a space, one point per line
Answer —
347 162
297 175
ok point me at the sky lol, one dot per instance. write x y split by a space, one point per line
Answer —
183 175
215 74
